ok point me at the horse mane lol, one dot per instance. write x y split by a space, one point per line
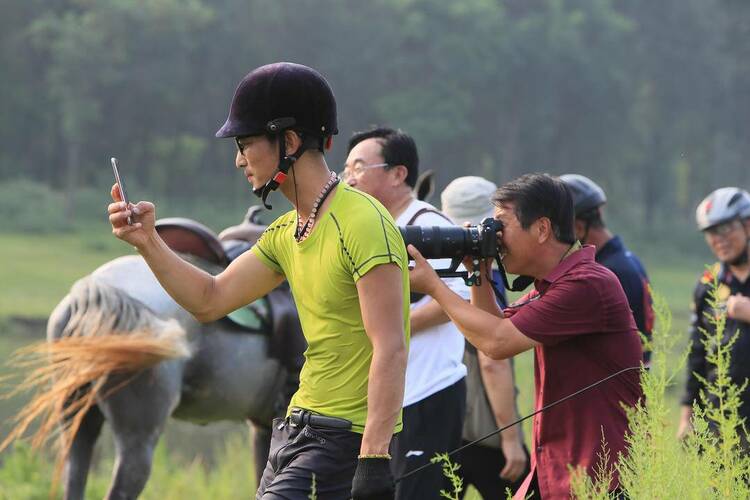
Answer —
109 332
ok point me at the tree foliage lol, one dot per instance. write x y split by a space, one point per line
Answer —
649 98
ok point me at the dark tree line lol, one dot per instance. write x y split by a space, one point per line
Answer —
652 99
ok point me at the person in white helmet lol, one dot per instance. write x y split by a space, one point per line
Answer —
502 461
724 219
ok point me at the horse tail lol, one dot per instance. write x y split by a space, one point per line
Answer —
108 332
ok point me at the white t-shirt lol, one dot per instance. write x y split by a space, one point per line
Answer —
435 354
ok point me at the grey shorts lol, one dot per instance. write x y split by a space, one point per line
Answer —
298 453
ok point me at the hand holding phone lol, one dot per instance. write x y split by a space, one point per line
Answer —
121 185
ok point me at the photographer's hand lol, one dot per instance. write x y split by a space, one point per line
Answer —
422 278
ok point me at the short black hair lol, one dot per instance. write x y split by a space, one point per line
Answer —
593 218
540 195
398 148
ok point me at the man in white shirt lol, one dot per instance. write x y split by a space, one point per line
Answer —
384 163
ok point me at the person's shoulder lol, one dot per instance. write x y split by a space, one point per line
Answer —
590 275
421 213
358 211
625 264
279 225
282 221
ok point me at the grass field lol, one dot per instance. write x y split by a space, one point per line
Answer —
192 462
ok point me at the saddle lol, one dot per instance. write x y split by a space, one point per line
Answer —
274 314
199 245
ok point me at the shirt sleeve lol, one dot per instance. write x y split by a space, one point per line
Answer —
568 308
370 242
696 362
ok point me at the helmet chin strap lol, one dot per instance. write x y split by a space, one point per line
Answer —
282 170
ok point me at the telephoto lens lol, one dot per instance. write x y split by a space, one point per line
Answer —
448 242
437 242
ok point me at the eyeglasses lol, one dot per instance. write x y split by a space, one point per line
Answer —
723 229
242 145
359 169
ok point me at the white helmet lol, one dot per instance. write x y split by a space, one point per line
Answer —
722 205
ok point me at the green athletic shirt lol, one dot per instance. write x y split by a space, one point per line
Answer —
353 236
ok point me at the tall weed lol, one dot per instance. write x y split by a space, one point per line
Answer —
709 463
720 431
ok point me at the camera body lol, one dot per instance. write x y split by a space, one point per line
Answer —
455 243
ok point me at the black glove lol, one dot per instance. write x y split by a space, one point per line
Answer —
373 480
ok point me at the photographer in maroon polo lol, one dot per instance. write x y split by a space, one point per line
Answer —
576 318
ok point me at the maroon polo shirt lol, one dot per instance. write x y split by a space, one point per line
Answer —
580 316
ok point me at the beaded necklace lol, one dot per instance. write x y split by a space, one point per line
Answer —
303 231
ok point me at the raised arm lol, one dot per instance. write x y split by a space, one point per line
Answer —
496 337
206 297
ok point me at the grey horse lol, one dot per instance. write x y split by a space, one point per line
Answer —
208 372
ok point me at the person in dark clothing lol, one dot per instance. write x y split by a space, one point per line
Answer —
724 219
611 252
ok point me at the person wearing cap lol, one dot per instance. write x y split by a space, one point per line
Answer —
384 163
577 320
498 462
349 282
724 219
611 252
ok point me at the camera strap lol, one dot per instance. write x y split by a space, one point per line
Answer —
519 284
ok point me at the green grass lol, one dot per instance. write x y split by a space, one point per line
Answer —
38 270
27 476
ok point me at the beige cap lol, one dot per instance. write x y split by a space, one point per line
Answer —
468 199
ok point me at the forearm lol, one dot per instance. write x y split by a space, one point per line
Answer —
484 298
477 325
426 316
498 381
188 285
385 397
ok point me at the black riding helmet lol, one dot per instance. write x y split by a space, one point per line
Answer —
278 97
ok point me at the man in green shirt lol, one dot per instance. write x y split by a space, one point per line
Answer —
347 268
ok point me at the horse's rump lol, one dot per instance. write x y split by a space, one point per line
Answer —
108 332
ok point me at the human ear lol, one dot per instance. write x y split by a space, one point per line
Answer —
400 172
292 142
544 229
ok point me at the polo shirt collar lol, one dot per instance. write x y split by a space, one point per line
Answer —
575 256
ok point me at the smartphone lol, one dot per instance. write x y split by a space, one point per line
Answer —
121 184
